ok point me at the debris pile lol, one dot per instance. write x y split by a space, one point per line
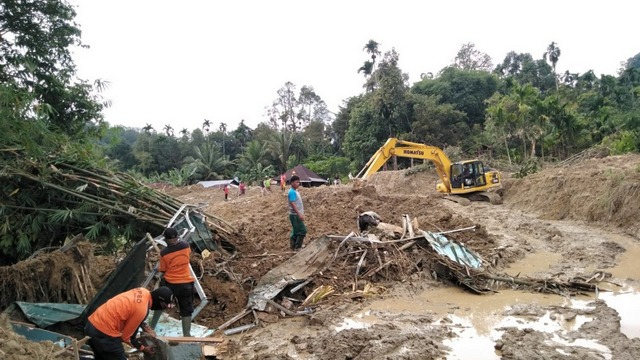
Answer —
63 276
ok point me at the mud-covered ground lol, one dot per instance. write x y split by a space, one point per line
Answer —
569 221
566 222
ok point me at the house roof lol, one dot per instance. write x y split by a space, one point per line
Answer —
305 175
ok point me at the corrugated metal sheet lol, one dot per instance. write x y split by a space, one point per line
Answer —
47 314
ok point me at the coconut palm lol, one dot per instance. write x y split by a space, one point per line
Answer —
208 164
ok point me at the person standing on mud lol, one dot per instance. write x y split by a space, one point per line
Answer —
267 184
296 215
226 192
118 320
176 272
283 182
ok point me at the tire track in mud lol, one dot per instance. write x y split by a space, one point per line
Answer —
581 247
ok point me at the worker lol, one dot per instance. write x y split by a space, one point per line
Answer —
283 182
367 219
226 192
175 271
296 215
267 184
118 320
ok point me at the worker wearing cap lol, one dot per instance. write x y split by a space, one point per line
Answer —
296 215
118 320
174 266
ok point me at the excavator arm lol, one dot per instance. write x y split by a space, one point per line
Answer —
413 150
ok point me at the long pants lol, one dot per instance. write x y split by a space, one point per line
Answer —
104 347
298 232
184 294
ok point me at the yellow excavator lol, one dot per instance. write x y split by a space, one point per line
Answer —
468 179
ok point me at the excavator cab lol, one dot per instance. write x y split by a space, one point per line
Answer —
467 174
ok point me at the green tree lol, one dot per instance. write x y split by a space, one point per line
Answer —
369 66
208 163
523 69
470 58
633 62
206 126
553 55
168 129
35 41
223 130
242 134
467 91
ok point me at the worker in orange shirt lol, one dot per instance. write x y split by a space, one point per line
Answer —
176 272
118 320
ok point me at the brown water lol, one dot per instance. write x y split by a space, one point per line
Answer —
475 319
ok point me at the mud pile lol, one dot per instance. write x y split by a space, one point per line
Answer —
605 191
17 347
51 277
329 210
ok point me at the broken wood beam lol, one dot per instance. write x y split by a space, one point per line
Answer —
75 347
242 314
153 243
183 339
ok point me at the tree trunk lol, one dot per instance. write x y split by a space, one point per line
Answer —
506 146
533 147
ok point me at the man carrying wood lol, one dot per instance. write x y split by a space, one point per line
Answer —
118 320
174 265
296 215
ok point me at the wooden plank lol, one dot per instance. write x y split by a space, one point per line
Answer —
191 339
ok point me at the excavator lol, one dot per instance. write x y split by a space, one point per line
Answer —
465 181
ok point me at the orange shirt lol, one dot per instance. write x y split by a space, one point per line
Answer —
121 315
174 263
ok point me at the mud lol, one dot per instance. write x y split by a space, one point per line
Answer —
577 220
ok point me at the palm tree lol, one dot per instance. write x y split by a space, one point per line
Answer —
168 129
223 130
372 48
148 128
254 154
206 125
369 66
552 55
208 163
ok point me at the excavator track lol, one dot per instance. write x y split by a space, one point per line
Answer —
459 199
490 196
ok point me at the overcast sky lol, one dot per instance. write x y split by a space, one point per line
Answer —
179 63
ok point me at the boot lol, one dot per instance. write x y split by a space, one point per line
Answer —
155 318
186 326
292 242
299 240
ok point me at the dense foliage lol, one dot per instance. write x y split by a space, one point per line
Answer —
519 110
